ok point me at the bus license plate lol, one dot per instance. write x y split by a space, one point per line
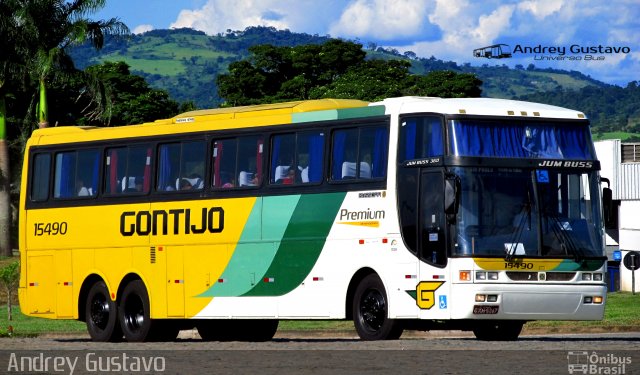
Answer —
485 309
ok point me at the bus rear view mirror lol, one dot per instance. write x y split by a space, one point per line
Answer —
607 207
451 196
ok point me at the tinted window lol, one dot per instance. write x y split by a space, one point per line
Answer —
128 170
76 174
297 158
237 162
181 166
40 177
359 153
420 137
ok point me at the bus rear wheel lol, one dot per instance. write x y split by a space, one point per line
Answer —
101 314
370 311
134 312
499 330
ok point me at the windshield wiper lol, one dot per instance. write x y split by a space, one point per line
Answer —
517 235
567 244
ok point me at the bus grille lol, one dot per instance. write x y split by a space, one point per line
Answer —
560 276
534 276
152 255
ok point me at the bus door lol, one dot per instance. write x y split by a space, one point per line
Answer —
433 289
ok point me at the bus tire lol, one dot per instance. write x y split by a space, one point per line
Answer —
101 314
498 330
134 312
370 311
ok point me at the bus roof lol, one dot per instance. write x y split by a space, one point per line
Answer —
210 119
477 106
298 112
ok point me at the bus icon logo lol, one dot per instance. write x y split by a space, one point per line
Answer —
496 51
578 362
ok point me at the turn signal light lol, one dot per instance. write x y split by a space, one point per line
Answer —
465 275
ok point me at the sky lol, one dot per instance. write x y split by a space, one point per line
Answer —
600 38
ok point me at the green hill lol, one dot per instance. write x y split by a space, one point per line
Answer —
186 62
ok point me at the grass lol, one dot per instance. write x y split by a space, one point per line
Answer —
614 135
621 314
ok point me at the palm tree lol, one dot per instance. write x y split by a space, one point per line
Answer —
34 36
12 70
56 25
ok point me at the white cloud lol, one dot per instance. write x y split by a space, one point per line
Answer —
219 15
464 27
446 29
541 8
142 29
381 19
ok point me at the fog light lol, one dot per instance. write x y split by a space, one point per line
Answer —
480 275
597 277
493 275
481 297
588 299
586 277
465 275
492 298
597 299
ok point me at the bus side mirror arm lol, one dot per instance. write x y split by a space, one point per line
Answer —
451 196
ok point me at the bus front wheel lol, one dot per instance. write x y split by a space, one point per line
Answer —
370 311
499 330
101 314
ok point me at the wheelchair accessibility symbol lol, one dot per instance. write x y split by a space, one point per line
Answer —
443 302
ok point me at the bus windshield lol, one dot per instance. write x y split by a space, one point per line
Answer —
521 139
528 212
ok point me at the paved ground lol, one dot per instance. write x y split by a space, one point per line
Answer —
331 353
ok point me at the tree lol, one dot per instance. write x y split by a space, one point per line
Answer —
55 25
336 69
286 73
129 98
9 277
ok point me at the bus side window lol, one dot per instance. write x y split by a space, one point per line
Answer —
40 177
297 158
181 166
359 153
420 137
128 170
76 174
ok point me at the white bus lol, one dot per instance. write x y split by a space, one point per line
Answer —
410 213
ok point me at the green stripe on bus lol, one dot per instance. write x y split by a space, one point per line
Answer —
337 114
301 245
585 265
256 249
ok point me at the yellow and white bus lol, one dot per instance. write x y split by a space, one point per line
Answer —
409 213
